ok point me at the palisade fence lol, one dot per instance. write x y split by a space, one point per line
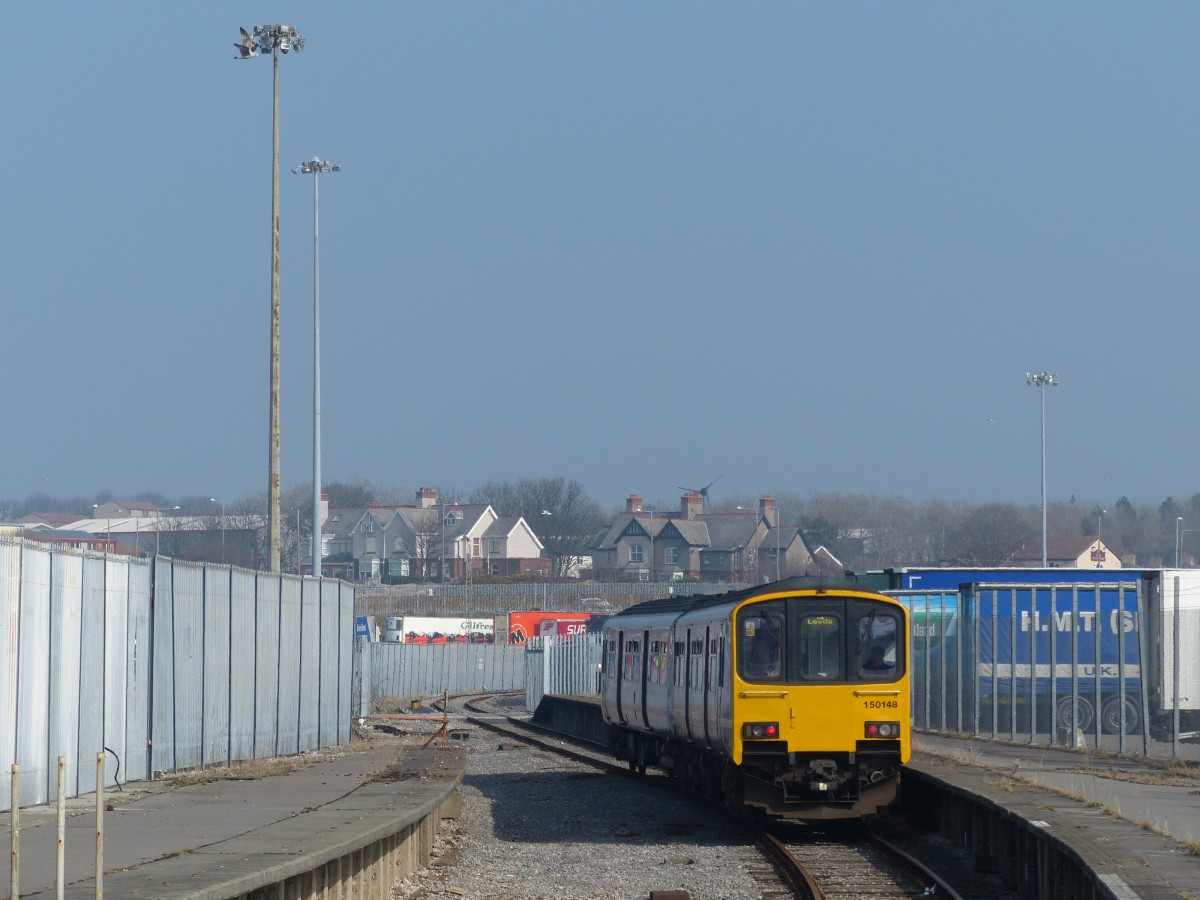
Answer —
1095 665
563 666
553 596
162 665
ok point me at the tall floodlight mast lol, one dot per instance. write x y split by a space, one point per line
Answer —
1040 380
273 39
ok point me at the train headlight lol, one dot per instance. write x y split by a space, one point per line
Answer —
882 729
759 731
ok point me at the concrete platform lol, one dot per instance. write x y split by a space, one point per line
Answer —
1133 822
229 838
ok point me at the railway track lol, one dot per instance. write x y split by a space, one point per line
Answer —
818 864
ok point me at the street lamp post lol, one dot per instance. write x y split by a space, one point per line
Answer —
1178 535
754 533
273 38
442 551
108 529
1040 380
316 167
222 502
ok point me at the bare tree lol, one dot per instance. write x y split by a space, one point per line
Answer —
422 547
559 511
988 535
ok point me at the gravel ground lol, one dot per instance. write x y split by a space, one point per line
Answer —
535 826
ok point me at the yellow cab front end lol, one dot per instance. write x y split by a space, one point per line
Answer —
821 714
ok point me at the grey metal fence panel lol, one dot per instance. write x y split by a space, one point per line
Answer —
116 662
361 679
32 715
241 664
215 747
567 667
136 763
91 671
10 596
266 655
406 670
188 601
309 717
535 674
346 658
66 604
329 662
162 684
290 614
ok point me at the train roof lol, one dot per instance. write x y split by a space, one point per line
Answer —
701 601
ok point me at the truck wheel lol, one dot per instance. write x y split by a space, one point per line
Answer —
1110 716
1081 716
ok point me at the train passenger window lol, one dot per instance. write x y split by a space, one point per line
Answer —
821 643
878 645
760 650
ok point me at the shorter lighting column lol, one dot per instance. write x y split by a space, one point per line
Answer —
1040 380
222 502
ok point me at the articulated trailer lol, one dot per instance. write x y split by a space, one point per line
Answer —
1068 652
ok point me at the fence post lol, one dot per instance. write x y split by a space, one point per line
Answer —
100 825
60 881
15 833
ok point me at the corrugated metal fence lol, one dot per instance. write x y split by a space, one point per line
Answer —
165 665
411 670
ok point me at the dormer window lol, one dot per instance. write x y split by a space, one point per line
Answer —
451 520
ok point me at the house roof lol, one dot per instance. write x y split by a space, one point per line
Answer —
729 531
1067 548
54 519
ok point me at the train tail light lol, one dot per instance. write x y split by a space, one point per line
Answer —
882 729
759 731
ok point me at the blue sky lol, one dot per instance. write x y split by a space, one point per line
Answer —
805 247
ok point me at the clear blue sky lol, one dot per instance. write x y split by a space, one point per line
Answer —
810 247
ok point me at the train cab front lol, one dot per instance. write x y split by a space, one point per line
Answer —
821 705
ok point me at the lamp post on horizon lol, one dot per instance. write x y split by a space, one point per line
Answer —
222 502
1040 380
158 530
316 167
273 38
108 531
1178 535
753 510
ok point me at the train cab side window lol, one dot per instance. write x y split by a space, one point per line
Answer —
760 650
878 646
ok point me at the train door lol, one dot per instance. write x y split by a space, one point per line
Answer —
706 681
717 712
644 678
687 687
619 676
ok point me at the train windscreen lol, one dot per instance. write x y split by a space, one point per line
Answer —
802 641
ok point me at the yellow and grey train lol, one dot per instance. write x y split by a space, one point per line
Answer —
791 698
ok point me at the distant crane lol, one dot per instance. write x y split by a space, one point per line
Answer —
703 492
